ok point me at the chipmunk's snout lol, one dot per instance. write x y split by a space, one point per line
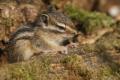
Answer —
71 30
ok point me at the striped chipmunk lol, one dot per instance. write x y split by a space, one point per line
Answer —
52 32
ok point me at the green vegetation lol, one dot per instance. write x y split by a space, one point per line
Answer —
33 70
91 21
71 66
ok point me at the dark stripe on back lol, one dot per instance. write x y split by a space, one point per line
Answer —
12 42
22 31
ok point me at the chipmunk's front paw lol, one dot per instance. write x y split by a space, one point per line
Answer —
72 45
63 51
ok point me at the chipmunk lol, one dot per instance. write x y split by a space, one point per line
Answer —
51 32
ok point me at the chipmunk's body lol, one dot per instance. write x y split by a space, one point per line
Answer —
50 32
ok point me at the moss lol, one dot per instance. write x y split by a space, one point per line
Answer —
91 21
89 48
72 61
75 64
106 73
31 70
109 41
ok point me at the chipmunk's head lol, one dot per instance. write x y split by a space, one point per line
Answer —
56 21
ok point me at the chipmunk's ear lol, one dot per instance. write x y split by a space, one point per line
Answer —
45 19
42 20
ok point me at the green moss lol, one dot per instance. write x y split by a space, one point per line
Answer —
91 21
106 73
75 64
72 60
88 48
32 70
108 41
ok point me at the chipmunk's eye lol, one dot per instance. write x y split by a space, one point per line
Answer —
61 26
